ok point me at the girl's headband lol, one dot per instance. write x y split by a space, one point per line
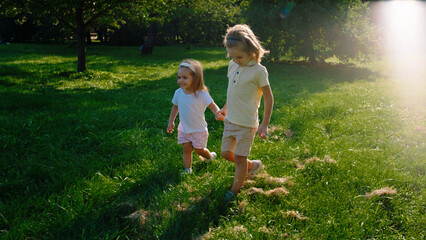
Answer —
185 64
232 38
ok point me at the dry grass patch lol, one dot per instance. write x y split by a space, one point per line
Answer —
294 215
277 192
276 131
242 206
266 230
275 128
249 182
288 133
273 192
143 216
238 229
386 191
255 191
273 180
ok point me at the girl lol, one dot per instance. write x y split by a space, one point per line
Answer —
191 100
247 81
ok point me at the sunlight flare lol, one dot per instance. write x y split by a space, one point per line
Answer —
403 28
404 34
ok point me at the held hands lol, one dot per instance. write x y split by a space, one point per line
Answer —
220 115
170 127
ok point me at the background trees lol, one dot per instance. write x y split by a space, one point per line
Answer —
204 21
291 30
76 15
313 30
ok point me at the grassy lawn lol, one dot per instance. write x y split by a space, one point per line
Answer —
87 156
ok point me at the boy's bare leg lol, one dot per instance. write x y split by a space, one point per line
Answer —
230 157
241 168
187 155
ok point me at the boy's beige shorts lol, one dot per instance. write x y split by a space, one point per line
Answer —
237 139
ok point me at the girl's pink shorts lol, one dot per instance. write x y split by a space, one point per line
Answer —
198 139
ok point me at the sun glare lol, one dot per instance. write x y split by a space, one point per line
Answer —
404 33
403 28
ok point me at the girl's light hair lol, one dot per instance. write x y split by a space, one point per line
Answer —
243 37
197 75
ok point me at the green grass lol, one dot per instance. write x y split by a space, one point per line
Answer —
80 151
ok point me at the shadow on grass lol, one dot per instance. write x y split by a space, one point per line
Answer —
53 127
9 73
152 221
112 221
197 218
109 220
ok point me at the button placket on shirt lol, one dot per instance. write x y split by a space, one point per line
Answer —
237 75
239 69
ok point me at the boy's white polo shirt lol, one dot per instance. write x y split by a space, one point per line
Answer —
244 93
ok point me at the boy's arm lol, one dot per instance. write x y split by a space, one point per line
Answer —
172 118
268 102
216 111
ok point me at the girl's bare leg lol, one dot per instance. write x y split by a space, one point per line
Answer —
187 155
205 153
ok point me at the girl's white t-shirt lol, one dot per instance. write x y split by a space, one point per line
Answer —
191 110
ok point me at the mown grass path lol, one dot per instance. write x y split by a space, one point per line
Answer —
86 155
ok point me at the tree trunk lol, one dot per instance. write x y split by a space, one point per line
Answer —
148 46
88 38
188 45
81 43
310 51
100 32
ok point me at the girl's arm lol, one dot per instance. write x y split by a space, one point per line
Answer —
172 118
216 111
268 103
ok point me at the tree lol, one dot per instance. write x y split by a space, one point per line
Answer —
15 31
154 13
77 15
191 21
205 21
313 30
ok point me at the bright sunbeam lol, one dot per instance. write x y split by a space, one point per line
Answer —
403 25
404 28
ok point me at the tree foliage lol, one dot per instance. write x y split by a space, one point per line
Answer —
204 21
314 30
190 21
77 15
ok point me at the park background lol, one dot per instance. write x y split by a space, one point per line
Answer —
86 88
